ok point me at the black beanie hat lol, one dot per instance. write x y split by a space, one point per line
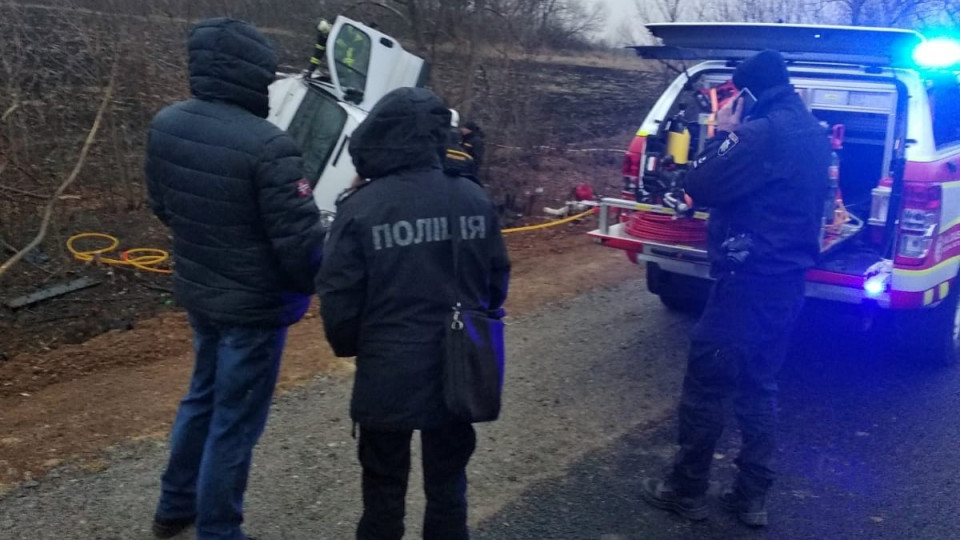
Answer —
762 72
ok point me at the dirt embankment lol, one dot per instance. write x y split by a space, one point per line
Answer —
70 403
95 367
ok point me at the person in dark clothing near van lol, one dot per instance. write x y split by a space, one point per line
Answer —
319 56
764 176
386 286
247 243
473 142
456 160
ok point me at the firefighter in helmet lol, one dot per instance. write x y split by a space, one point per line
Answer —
457 161
320 48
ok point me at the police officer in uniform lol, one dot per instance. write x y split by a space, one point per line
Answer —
764 175
385 289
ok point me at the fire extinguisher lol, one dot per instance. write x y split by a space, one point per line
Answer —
833 173
678 138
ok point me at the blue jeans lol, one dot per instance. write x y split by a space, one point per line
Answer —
218 424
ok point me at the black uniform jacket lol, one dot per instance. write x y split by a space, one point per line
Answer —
387 282
766 184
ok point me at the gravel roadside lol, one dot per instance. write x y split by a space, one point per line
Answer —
582 373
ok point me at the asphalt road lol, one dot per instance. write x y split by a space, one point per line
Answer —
869 448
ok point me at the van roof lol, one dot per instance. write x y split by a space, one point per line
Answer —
885 47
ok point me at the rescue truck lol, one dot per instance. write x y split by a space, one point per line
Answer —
321 109
889 101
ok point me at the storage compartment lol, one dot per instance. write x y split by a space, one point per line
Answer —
863 156
859 119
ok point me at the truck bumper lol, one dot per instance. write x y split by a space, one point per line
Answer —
692 261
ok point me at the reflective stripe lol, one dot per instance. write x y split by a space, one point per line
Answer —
928 297
456 154
944 289
948 226
921 280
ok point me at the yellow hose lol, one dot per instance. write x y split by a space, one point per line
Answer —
550 224
145 259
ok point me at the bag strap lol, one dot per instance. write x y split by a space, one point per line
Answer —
453 226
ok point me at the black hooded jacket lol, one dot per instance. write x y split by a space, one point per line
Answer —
387 281
247 239
475 144
765 183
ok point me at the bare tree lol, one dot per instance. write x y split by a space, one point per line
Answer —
886 13
661 10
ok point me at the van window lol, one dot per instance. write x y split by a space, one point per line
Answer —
351 53
944 95
317 127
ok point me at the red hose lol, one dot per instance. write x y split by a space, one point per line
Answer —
658 227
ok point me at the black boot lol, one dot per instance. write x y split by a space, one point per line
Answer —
662 495
751 511
168 528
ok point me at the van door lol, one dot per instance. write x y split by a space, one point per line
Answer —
367 64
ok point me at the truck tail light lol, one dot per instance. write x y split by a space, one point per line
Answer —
631 165
918 223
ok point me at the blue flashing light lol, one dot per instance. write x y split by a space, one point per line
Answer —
875 286
937 53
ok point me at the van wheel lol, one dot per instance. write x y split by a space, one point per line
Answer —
929 337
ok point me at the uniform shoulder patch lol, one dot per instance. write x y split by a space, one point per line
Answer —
729 144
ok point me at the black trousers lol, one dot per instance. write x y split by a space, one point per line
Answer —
738 348
385 458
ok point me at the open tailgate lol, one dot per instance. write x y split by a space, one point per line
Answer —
799 43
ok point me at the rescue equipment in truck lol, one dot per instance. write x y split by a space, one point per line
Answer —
889 100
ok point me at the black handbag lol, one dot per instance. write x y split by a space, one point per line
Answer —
473 348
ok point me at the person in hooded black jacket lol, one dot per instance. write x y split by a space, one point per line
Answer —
247 243
765 178
386 286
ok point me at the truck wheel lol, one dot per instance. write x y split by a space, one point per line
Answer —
682 304
929 337
677 292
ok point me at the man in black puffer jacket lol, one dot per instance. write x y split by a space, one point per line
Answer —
765 179
247 244
386 287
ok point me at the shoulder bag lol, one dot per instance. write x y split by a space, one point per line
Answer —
473 363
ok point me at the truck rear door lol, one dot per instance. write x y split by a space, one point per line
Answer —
798 43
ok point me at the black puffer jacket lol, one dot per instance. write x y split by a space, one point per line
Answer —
387 280
247 239
766 184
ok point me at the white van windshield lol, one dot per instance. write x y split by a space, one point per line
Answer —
317 127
